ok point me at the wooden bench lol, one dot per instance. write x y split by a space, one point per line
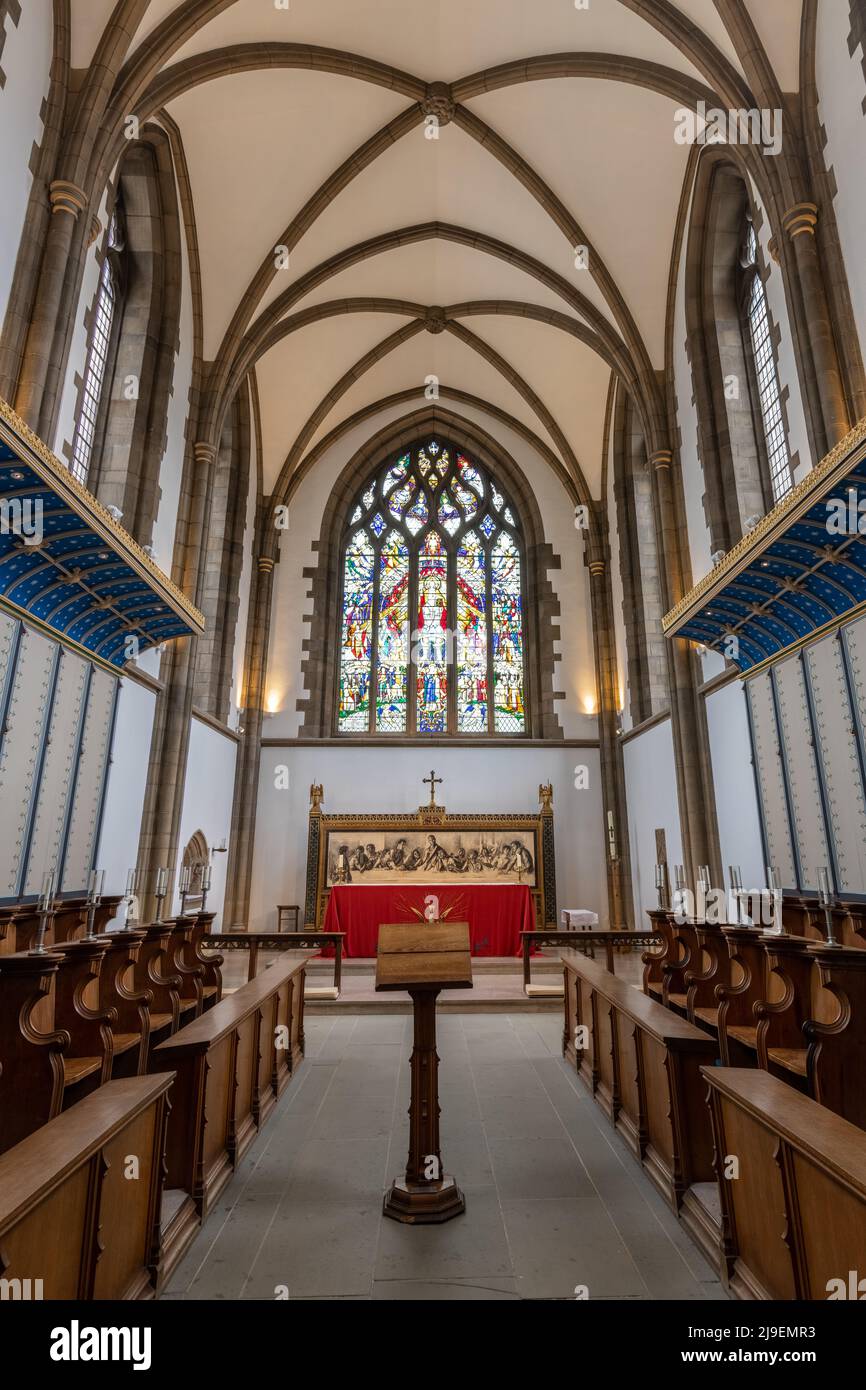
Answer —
642 1063
19 922
231 1066
711 967
74 1215
87 1061
794 1206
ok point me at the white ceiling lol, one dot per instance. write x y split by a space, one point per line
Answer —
259 144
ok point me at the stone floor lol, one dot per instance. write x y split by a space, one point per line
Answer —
553 1198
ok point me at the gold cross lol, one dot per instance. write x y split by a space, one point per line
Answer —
433 780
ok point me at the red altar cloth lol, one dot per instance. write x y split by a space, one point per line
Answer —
496 912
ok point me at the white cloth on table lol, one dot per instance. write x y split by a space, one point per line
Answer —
578 919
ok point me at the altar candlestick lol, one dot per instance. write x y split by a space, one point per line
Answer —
205 885
45 901
827 903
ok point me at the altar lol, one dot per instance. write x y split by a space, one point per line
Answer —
494 870
496 912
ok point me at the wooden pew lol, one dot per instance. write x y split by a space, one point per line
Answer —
184 963
642 1063
794 1217
781 1042
711 967
154 971
211 961
31 1049
117 990
737 1023
19 922
684 957
88 1059
837 1048
230 1071
654 959
70 1216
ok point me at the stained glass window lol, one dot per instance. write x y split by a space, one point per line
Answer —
507 612
356 651
393 635
471 635
432 611
781 477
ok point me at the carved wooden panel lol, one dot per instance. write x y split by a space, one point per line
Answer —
770 777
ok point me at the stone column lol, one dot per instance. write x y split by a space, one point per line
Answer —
695 793
619 896
68 201
169 748
799 222
242 841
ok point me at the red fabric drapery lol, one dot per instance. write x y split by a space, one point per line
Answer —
496 912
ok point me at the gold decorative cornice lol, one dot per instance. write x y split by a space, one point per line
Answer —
797 502
801 219
67 197
22 440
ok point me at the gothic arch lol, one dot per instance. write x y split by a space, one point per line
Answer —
321 660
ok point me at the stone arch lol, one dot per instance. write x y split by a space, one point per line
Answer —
320 662
196 856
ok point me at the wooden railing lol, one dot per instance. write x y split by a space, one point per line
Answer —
254 942
579 940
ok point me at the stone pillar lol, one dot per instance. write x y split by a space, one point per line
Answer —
169 748
799 222
68 201
695 793
242 841
619 895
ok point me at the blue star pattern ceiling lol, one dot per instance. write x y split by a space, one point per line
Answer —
67 566
802 571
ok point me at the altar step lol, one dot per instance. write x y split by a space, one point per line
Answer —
481 965
497 988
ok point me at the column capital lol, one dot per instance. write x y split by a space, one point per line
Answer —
67 197
95 229
661 458
597 567
265 563
801 219
204 452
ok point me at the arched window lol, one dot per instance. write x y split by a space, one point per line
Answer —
766 373
431 622
101 341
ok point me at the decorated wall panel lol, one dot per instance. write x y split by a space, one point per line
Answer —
90 781
58 770
770 777
836 735
804 786
27 709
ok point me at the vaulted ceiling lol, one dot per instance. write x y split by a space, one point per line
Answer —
305 126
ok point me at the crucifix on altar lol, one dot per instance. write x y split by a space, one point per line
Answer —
434 782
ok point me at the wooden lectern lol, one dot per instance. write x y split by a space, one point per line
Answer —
424 960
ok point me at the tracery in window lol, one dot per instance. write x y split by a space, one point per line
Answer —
97 359
757 313
431 624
